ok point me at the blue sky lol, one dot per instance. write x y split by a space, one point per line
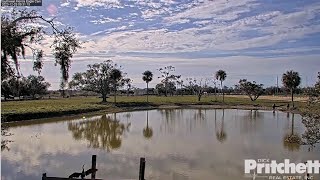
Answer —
257 40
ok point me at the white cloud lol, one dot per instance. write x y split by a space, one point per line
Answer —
212 9
104 20
99 3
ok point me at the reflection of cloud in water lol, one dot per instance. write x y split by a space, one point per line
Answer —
189 151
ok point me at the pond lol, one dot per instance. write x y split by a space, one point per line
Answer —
177 144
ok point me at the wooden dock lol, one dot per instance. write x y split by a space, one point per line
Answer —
92 171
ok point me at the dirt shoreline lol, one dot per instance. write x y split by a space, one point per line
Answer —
10 118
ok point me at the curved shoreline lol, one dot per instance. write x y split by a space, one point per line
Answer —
19 117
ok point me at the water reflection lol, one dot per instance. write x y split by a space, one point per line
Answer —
147 131
105 133
220 133
177 144
292 140
5 141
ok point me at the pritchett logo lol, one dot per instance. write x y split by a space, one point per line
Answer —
268 169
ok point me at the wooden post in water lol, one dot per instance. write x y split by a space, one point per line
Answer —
142 168
93 166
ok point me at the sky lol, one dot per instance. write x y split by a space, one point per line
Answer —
253 39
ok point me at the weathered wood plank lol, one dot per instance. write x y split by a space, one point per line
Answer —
60 178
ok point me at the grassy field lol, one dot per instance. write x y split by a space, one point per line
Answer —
18 110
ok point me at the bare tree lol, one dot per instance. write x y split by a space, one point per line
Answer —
167 76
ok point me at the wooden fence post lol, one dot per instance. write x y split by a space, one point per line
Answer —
93 166
142 168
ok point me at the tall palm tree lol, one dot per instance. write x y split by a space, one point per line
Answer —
116 76
147 77
221 75
291 80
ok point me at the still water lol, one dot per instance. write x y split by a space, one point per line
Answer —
177 143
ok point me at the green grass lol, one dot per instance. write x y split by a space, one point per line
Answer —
57 107
50 105
181 100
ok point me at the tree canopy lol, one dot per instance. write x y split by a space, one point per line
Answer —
252 89
19 34
291 80
99 78
168 78
24 86
221 75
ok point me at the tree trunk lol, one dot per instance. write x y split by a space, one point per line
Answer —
292 124
215 91
166 89
115 93
147 92
222 92
292 97
104 97
199 97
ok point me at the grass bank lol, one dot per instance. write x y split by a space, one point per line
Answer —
35 109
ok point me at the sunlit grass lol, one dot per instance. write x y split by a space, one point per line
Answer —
94 103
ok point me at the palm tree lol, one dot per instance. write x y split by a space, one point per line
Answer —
116 76
221 75
147 77
291 80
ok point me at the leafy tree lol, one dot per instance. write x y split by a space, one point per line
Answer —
18 33
14 86
197 86
128 83
291 80
252 89
171 88
97 78
37 85
160 89
116 77
221 75
147 77
180 83
8 87
167 77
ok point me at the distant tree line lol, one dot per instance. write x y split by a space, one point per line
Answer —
24 86
108 78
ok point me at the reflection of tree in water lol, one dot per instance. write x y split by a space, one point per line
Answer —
254 115
170 116
251 121
147 131
199 115
105 133
220 133
4 141
292 140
